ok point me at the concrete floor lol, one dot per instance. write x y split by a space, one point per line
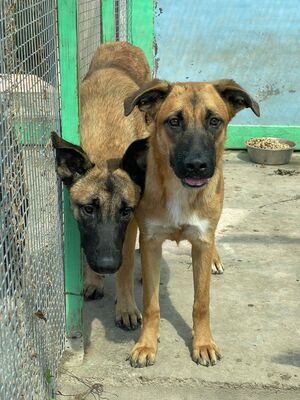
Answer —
254 306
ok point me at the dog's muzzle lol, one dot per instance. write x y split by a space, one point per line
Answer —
197 172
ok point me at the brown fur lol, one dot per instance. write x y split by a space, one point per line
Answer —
168 210
123 57
116 70
104 131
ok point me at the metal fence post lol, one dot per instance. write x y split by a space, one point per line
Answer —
67 25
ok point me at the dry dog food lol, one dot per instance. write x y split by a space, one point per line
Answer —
267 143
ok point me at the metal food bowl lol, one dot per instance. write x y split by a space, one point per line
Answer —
270 156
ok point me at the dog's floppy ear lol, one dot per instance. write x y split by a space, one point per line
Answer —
134 161
71 161
235 96
148 98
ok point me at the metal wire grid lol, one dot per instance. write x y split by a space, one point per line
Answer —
89 32
32 321
90 28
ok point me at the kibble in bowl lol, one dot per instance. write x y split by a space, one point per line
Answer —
270 151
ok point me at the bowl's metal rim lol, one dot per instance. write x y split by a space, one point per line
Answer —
269 137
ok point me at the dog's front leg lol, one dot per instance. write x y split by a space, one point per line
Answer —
93 283
204 350
144 352
128 315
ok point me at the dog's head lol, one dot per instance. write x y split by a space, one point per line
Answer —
102 203
189 122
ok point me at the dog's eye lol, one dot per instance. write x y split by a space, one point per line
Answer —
215 122
174 122
126 212
88 209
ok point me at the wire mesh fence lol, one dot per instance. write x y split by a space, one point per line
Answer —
90 28
89 32
32 314
31 271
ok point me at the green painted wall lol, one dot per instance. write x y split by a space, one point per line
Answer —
238 134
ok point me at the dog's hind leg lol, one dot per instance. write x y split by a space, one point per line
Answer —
93 284
128 315
217 267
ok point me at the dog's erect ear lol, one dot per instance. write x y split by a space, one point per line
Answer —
235 96
148 98
134 161
71 161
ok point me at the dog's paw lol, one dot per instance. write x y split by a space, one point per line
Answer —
128 316
206 355
93 293
142 355
93 284
217 267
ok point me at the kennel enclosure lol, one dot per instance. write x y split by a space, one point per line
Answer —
45 50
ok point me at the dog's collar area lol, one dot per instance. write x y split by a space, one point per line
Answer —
196 183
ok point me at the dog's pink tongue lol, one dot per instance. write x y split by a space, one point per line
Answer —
195 182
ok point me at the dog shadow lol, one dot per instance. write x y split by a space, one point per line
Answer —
99 315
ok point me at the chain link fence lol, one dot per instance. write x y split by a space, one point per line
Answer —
32 316
32 312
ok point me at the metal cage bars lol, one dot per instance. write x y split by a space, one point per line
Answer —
32 318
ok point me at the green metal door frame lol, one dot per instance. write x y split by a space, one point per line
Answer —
140 24
67 27
108 21
140 28
140 33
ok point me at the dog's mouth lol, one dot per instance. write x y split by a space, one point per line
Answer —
195 182
104 270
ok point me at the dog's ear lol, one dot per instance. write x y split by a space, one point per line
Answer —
148 98
71 161
134 161
235 96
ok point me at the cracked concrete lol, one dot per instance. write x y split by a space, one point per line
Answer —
254 306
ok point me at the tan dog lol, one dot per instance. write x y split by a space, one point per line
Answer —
102 196
183 194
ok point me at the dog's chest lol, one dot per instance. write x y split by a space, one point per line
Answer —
179 222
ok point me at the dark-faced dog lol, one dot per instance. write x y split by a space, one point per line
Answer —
103 197
183 193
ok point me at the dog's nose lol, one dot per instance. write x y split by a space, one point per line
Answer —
195 165
107 265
